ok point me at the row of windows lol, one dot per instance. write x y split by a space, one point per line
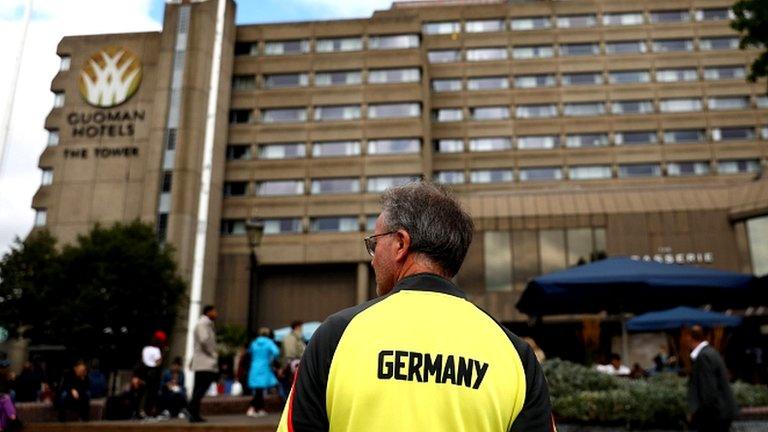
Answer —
328 113
326 149
493 82
296 226
352 185
405 41
524 52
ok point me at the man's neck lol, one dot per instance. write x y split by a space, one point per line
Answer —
416 265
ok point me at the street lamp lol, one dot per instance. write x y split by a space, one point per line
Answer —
255 230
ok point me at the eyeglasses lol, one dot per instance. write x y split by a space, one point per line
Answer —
370 242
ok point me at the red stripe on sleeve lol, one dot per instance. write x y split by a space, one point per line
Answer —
292 396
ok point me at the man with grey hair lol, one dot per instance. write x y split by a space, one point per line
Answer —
419 356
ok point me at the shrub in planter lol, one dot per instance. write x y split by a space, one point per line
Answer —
750 395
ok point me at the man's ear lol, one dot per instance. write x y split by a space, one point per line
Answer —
403 242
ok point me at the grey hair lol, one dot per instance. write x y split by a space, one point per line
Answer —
438 225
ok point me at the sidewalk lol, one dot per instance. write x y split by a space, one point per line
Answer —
225 423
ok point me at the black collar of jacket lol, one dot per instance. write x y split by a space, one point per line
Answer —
429 282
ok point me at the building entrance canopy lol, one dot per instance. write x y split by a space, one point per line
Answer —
623 285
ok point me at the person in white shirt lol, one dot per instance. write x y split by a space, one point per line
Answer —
614 367
151 360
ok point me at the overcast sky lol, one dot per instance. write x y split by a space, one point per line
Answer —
54 19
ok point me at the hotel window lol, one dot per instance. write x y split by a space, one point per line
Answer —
757 233
670 16
387 76
246 48
541 174
680 105
584 109
380 184
240 116
623 18
764 132
582 78
580 49
632 107
334 224
677 75
335 186
449 145
718 43
47 176
393 42
536 111
232 227
442 27
287 47
335 148
243 82
530 23
586 140
484 26
394 110
532 51
762 101
235 188
446 85
41 215
639 170
537 142
284 115
491 176
728 102
678 136
626 47
238 152
448 114
733 134
489 113
576 21
53 138
394 146
590 172
486 54
282 226
334 78
282 151
552 252
497 261
682 169
672 45
166 185
58 99
487 83
629 77
337 112
714 14
444 56
724 72
66 62
286 80
534 81
370 223
339 44
490 144
450 177
635 138
738 166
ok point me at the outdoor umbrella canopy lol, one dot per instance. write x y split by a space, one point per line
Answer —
678 317
307 330
622 285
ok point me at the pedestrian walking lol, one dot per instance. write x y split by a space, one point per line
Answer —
75 393
263 352
149 371
293 349
711 405
8 419
420 356
205 360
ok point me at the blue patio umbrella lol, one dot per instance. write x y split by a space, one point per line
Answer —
678 317
624 285
307 330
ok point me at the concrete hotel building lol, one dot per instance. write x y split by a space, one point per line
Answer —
570 129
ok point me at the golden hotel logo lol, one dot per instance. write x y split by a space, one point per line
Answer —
110 77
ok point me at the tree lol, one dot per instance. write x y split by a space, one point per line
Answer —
111 290
751 21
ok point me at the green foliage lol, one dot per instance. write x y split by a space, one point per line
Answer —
751 21
230 338
111 290
580 394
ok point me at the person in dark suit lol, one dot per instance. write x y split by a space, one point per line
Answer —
710 400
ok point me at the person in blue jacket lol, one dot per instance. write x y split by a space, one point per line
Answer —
263 352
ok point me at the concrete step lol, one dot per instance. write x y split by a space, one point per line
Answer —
223 423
